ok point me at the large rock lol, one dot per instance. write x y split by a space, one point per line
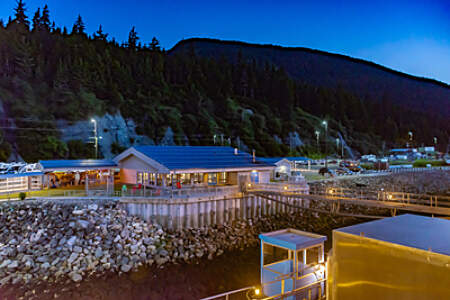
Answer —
125 268
72 257
76 277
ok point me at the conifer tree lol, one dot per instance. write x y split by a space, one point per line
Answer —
100 35
45 19
154 45
20 16
37 20
78 26
132 39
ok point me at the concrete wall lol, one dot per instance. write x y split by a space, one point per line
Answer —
196 214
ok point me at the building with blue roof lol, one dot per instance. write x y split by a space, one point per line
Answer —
190 165
286 167
72 172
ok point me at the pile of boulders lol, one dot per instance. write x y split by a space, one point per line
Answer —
55 241
49 241
435 182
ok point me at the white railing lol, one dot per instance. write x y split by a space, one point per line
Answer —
301 188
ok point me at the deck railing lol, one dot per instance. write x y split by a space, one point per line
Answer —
307 291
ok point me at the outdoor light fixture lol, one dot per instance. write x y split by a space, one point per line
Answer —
257 292
249 185
285 187
330 191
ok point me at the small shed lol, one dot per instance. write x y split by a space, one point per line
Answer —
292 260
403 257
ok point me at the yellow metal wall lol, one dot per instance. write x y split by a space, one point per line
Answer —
364 268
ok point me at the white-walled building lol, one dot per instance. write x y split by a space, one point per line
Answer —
190 166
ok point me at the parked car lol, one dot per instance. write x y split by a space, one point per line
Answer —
325 171
351 165
343 171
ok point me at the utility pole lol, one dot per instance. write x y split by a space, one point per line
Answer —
324 123
317 138
95 137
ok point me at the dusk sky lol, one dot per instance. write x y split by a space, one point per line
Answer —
407 35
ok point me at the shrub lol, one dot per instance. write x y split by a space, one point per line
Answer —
368 166
22 196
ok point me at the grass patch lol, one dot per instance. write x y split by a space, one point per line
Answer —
422 163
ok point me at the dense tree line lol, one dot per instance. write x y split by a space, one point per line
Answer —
49 73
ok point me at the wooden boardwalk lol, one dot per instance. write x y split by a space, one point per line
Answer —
336 198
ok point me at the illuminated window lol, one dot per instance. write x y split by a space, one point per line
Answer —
197 178
212 178
139 177
223 177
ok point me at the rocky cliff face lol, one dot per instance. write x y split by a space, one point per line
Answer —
110 129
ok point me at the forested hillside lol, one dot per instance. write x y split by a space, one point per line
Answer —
49 73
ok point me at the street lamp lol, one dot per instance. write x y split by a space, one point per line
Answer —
325 124
337 146
317 138
95 137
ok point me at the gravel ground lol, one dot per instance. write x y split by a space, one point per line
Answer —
431 182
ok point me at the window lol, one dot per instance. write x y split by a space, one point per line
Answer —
212 178
159 179
273 254
168 180
139 178
185 178
197 178
254 177
223 178
312 256
152 179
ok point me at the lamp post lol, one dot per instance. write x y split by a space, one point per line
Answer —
95 137
317 139
337 146
325 124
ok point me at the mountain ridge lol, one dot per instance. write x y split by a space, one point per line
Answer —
311 50
319 68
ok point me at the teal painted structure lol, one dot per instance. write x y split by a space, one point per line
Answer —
296 257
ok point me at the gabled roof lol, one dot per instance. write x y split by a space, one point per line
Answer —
425 233
77 164
197 157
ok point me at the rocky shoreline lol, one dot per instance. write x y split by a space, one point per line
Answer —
56 243
53 242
